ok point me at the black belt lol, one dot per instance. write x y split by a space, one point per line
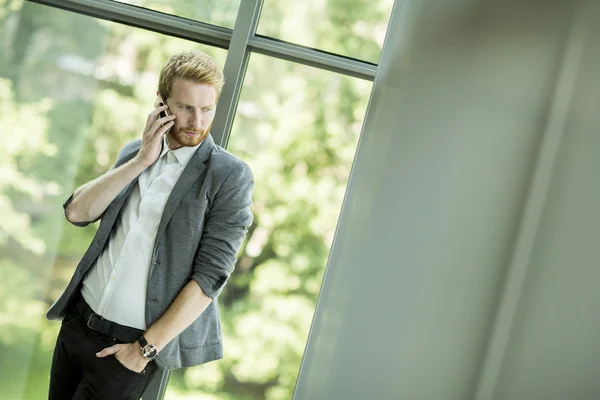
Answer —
104 326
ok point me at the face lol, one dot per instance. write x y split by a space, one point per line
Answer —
193 105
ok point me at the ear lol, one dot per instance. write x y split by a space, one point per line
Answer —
157 101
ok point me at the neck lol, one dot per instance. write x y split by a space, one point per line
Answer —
171 146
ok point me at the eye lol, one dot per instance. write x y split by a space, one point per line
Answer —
207 109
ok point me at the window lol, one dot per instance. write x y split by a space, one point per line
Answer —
353 28
75 88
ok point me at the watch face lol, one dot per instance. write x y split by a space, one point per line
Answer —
149 351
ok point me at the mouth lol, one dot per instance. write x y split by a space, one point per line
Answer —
192 134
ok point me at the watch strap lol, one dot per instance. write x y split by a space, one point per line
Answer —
149 351
143 341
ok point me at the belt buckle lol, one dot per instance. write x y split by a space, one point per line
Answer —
89 320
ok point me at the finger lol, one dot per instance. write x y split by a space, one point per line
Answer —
152 125
166 119
161 121
158 128
154 114
152 117
108 351
165 128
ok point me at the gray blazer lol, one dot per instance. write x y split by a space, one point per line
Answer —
202 227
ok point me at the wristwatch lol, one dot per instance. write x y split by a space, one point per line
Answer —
149 351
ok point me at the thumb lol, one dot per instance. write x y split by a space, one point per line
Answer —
108 351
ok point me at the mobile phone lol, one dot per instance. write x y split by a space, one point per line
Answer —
164 113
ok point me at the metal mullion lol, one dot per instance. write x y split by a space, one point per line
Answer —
158 385
313 57
147 19
235 68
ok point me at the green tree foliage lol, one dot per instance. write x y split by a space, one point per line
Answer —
21 249
74 89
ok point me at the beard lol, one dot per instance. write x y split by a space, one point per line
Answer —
180 138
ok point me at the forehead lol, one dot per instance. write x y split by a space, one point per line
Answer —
188 92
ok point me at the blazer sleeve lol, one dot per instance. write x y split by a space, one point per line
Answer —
224 230
122 157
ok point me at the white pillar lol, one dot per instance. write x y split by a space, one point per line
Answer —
427 292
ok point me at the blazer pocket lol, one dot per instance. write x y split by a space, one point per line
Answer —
196 204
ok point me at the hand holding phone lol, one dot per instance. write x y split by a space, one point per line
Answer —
159 122
165 113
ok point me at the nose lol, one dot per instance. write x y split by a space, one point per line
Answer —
198 119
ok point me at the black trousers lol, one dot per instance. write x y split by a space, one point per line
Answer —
77 374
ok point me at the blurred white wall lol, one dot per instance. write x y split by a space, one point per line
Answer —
466 264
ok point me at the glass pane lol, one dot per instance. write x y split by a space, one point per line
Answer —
353 28
299 137
73 89
215 12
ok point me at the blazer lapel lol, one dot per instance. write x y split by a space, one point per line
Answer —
190 174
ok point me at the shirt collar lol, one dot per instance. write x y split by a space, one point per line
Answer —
183 154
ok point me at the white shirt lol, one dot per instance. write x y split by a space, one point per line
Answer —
115 287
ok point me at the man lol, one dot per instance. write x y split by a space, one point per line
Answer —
174 210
